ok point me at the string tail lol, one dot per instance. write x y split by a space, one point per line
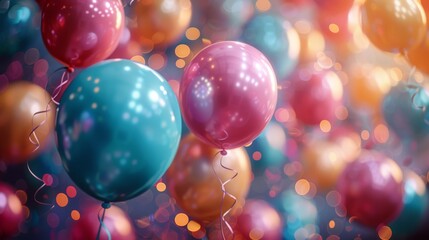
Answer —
105 206
225 193
39 189
65 78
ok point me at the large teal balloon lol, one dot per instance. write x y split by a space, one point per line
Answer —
118 129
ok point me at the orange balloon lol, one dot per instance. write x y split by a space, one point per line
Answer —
194 185
322 163
18 103
418 56
394 25
160 23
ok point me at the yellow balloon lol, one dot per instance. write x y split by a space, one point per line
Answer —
394 25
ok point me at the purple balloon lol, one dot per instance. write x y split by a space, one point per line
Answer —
228 94
371 189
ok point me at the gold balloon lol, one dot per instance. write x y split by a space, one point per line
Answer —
394 25
322 163
160 22
18 103
194 185
418 56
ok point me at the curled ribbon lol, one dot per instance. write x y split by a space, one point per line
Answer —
104 206
223 184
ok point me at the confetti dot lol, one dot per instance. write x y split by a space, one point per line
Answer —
193 226
161 187
62 200
192 33
182 50
47 179
181 219
71 191
302 187
75 215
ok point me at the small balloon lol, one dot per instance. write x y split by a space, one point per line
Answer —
11 212
415 206
276 39
160 23
394 26
23 107
260 219
121 120
228 94
403 110
193 179
81 33
315 96
115 220
371 189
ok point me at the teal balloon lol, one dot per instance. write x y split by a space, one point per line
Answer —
18 25
269 34
404 111
415 207
118 129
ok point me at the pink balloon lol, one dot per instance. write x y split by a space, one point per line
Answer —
314 96
81 33
11 212
228 94
371 189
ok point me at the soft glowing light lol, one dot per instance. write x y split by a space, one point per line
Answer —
334 28
75 215
302 187
364 135
385 233
156 61
71 191
263 5
325 126
181 219
180 63
139 59
256 234
182 50
193 226
256 156
381 133
62 200
192 33
161 187
331 224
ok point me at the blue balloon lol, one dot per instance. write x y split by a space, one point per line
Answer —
18 25
404 109
268 33
118 129
415 206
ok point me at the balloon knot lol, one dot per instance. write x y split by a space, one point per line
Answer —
106 205
223 152
70 69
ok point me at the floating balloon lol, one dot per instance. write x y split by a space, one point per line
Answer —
394 26
371 189
417 56
403 111
259 220
415 206
121 120
17 20
228 94
278 41
23 107
314 96
334 6
115 220
11 212
81 33
161 22
193 179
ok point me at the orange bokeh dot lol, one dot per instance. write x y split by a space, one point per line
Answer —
181 219
75 215
161 187
156 61
62 199
71 191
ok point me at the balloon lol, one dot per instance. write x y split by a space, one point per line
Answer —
394 26
367 87
334 6
192 179
19 102
221 20
415 206
127 47
314 96
269 148
228 94
335 26
404 113
11 212
260 219
417 56
115 220
161 22
322 163
371 189
17 30
81 33
121 120
278 41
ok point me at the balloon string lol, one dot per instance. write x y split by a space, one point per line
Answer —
104 206
39 189
224 193
65 78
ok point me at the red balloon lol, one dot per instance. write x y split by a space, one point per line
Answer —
371 189
81 33
334 5
11 213
116 221
259 218
315 96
